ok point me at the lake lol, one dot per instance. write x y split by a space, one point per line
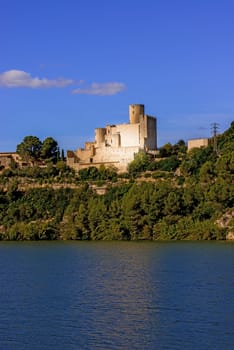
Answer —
116 295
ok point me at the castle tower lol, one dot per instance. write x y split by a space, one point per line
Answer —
135 111
116 145
100 135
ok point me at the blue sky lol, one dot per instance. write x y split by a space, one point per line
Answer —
67 67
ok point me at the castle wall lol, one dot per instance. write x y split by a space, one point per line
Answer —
118 157
151 134
108 154
117 144
100 135
85 155
197 143
7 159
129 134
116 140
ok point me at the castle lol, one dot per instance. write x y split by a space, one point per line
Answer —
116 145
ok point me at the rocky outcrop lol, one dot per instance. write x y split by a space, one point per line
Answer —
227 221
230 235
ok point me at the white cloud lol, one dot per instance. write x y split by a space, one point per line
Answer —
103 89
18 78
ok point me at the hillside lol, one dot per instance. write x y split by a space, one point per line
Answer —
177 196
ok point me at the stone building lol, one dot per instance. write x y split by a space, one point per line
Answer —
197 143
10 159
116 145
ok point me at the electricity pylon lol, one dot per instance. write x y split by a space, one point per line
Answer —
214 128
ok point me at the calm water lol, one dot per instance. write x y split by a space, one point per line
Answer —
116 295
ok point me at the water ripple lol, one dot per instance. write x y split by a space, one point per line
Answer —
116 295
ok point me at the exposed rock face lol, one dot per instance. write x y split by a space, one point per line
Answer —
226 221
230 236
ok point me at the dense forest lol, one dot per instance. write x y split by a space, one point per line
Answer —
178 195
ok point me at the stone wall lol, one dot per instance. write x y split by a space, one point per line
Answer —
9 159
197 143
117 144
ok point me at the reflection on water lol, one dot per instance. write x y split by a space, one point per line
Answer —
116 295
121 293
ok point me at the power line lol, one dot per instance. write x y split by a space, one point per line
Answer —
214 128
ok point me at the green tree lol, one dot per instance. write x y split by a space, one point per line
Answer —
193 161
207 172
90 173
226 140
173 203
140 163
114 221
62 155
49 150
30 149
97 217
180 148
81 222
225 165
168 164
166 150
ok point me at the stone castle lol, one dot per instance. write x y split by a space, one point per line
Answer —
116 145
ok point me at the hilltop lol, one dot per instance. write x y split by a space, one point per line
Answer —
177 195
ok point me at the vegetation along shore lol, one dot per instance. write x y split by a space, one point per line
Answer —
178 195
